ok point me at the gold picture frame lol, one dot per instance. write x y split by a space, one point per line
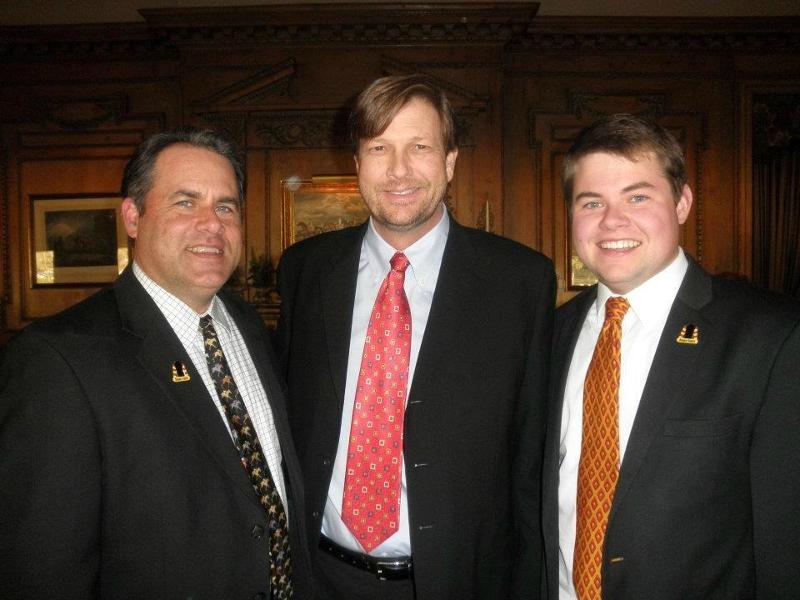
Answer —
77 240
579 275
321 204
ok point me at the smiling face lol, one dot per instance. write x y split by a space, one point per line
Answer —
189 236
625 219
403 174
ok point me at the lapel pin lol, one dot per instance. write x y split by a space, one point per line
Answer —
690 334
179 372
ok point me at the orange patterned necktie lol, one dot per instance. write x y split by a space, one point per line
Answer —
371 502
598 469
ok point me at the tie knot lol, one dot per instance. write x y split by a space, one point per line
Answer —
399 262
616 307
205 323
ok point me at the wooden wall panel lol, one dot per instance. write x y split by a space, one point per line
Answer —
279 80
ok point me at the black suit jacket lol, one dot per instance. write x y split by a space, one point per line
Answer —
708 490
474 420
118 482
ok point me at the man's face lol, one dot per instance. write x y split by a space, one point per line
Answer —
625 220
189 237
403 174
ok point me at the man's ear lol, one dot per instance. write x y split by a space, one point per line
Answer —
450 163
684 204
130 217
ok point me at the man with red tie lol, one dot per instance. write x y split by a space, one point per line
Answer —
672 461
416 355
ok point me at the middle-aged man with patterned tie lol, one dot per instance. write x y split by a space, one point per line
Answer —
144 444
417 355
672 465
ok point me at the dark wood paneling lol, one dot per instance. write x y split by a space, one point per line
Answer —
75 100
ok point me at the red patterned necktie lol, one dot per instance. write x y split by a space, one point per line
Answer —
371 503
598 469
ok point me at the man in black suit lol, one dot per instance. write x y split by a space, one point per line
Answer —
122 435
463 501
693 491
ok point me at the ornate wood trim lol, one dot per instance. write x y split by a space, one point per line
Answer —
511 24
689 34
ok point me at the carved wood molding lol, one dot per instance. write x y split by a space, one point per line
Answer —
510 24
167 30
300 129
633 34
253 89
229 109
231 124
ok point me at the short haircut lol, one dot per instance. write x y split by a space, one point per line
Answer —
630 137
137 181
379 104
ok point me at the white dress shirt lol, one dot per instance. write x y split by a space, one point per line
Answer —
185 322
642 327
425 259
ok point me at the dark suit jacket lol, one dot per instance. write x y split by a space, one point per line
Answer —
709 487
119 483
474 420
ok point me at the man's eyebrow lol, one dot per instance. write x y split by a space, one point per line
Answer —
638 185
188 193
587 195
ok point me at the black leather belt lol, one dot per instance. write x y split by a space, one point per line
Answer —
388 569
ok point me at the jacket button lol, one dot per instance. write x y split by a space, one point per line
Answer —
260 596
315 514
326 461
257 532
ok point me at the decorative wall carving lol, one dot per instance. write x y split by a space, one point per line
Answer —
630 34
272 81
232 124
301 129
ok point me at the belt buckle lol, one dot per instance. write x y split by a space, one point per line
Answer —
393 571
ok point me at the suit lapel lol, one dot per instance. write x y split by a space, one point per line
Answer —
569 319
669 375
456 301
337 292
568 327
158 349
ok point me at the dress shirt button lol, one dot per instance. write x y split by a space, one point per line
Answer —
257 532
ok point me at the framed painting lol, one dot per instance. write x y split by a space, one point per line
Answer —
311 207
77 240
579 276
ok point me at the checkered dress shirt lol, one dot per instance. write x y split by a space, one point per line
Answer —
185 322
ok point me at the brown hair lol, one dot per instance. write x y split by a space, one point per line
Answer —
631 137
379 103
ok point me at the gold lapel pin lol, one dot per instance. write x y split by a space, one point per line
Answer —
690 334
179 372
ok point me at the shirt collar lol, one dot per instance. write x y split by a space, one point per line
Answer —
424 255
183 319
652 300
